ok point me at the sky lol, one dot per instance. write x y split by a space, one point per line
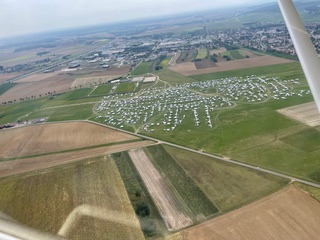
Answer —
19 17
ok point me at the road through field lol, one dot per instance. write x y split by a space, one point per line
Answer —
159 191
317 185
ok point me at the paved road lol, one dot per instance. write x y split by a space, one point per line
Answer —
218 157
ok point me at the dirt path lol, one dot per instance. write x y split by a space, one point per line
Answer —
159 191
288 214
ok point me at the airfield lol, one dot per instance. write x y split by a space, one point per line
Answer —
195 149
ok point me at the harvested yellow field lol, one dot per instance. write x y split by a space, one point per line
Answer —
289 214
87 82
84 200
56 137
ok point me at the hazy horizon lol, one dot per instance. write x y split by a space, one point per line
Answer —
34 16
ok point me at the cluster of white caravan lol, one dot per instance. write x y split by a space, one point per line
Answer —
167 108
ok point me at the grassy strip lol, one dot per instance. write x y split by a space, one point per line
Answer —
196 200
125 87
102 89
70 150
151 223
5 87
63 113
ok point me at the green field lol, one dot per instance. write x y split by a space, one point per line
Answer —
165 63
227 185
102 89
143 68
202 53
307 140
76 112
237 54
44 199
152 223
5 87
283 71
177 179
13 112
125 87
173 77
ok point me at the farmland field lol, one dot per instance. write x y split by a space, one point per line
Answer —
288 214
169 208
202 53
226 185
36 89
33 163
5 87
233 65
143 68
90 81
92 189
56 137
151 221
197 202
81 111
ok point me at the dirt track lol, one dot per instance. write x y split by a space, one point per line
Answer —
159 191
288 214
187 69
37 163
56 137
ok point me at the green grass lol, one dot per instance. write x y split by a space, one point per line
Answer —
75 94
192 195
283 71
125 87
5 87
11 113
143 68
102 89
202 53
173 77
139 194
77 112
306 140
165 63
44 199
227 185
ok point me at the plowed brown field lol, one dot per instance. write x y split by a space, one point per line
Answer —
289 214
56 137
